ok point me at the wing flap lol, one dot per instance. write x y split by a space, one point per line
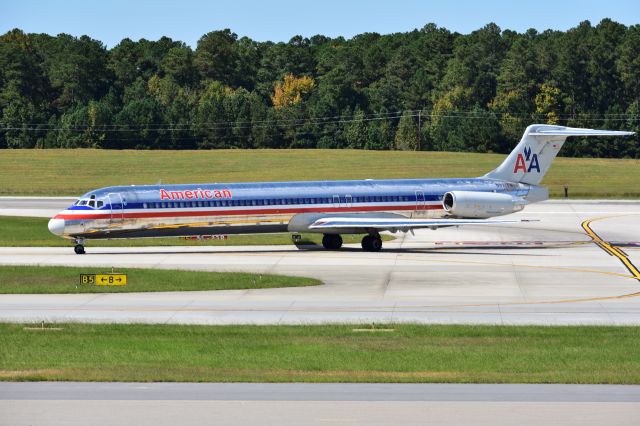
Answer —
393 223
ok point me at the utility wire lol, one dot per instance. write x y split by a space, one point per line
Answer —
314 121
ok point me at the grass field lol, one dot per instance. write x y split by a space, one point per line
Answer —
74 172
33 232
58 279
409 353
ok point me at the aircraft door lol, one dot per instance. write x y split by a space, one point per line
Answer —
117 208
420 202
336 201
348 200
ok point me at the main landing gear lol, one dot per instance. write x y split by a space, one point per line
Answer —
79 248
371 242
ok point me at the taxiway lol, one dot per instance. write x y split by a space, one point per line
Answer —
549 271
306 403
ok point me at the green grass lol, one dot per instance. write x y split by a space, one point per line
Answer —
411 353
58 279
33 232
74 172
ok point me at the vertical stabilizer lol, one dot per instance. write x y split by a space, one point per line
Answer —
531 158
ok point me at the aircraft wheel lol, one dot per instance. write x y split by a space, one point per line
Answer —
79 249
372 243
332 241
366 243
376 243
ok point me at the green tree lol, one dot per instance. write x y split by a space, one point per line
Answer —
76 69
406 138
178 64
216 56
380 135
517 87
604 79
356 131
476 63
210 117
139 120
570 73
477 91
19 118
628 64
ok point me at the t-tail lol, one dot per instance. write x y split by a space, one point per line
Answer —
531 158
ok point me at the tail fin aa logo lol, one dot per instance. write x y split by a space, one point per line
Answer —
527 159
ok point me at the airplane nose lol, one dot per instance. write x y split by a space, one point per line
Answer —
56 226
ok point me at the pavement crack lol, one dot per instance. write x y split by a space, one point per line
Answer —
83 304
179 309
285 312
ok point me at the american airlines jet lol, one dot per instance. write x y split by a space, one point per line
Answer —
332 208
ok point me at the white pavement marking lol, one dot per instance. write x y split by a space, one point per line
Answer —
545 272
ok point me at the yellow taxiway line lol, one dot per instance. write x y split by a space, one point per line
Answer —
612 250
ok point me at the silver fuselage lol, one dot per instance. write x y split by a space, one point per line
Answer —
214 209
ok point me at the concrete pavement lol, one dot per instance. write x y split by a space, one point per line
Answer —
33 206
305 403
543 272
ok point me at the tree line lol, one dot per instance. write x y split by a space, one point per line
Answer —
427 89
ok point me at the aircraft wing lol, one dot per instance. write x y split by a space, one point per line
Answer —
386 223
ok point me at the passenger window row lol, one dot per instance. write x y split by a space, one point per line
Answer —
275 202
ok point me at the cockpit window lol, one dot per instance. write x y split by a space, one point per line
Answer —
92 203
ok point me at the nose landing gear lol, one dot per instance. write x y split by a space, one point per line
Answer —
79 248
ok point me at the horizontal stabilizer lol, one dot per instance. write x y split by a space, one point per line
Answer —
570 131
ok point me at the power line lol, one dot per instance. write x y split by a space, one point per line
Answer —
314 121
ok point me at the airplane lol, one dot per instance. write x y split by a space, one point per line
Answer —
333 208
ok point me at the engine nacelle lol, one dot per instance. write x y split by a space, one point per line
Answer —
481 205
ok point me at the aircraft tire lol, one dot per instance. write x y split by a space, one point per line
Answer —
372 243
376 243
332 241
79 249
366 243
